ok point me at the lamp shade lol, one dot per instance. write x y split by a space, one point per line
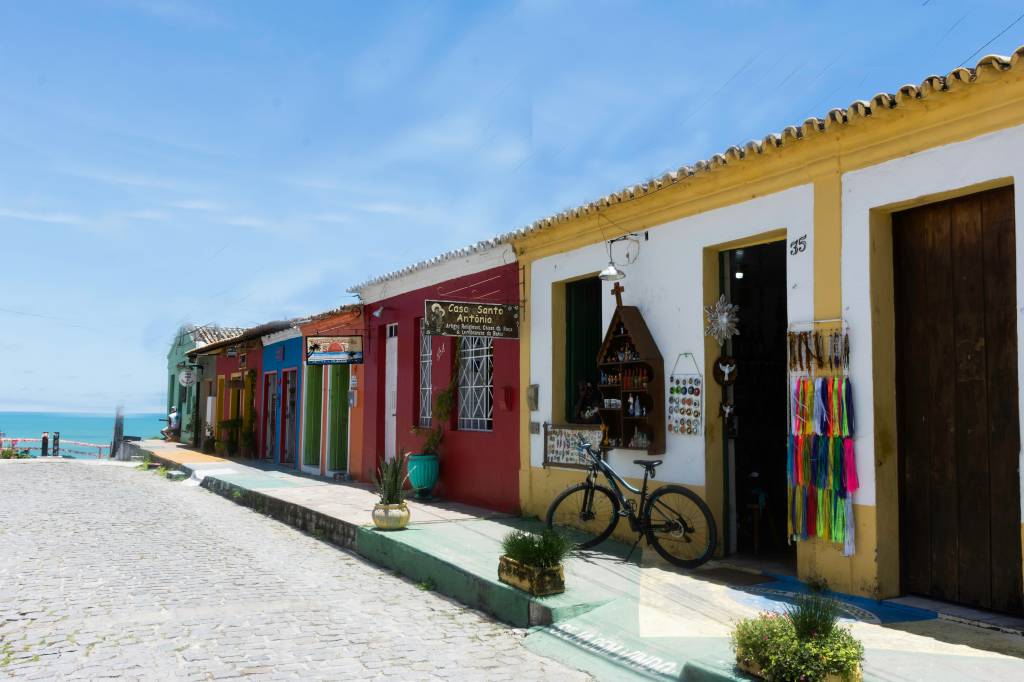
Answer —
611 273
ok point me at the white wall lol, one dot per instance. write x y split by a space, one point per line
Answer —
666 284
941 169
443 271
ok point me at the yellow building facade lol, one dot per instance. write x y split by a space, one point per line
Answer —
827 194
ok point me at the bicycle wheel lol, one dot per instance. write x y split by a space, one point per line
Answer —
590 508
680 526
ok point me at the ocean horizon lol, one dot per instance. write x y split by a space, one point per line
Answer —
88 427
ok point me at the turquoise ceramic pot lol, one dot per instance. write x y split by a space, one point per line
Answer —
423 471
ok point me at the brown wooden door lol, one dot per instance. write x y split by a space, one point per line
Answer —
956 384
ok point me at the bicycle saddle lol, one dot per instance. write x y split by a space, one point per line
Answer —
650 465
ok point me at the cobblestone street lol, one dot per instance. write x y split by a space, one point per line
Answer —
106 571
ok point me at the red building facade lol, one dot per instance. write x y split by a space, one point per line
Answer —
405 370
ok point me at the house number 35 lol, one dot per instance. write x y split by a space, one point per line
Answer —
798 245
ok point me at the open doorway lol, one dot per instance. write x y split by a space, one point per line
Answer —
754 278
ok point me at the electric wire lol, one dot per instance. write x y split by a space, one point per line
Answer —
994 38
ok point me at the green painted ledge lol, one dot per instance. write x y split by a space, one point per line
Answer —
461 560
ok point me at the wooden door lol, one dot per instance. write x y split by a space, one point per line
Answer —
313 417
289 404
269 414
337 420
956 383
391 393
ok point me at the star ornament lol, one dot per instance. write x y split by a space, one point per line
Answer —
722 318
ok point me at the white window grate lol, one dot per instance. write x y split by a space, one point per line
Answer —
426 366
476 383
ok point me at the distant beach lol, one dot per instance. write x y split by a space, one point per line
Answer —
89 428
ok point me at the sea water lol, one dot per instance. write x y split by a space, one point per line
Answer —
89 428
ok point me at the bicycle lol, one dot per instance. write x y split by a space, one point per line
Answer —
675 521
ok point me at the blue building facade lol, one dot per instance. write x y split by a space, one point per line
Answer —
282 397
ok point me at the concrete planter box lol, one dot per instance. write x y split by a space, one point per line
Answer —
537 581
390 516
755 670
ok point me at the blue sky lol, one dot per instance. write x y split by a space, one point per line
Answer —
163 162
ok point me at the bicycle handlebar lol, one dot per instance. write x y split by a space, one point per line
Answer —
583 445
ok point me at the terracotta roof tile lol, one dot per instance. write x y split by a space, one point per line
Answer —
212 333
859 109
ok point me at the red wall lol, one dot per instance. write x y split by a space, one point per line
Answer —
479 468
253 361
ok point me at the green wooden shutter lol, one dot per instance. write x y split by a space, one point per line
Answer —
313 410
338 399
583 336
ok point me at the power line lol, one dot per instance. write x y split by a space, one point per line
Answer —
64 321
994 38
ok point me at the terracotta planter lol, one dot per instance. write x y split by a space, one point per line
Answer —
537 581
755 670
390 516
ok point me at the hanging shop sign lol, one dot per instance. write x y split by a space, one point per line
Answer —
187 377
334 350
462 318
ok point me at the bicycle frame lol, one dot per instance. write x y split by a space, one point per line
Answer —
614 480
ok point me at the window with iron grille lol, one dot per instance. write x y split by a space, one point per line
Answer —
426 365
476 383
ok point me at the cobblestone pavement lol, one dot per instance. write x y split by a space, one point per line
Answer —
106 571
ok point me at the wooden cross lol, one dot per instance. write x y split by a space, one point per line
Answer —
617 293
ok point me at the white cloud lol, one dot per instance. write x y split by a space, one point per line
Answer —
146 214
197 205
43 216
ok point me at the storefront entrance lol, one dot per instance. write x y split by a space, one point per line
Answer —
754 278
269 414
957 408
289 403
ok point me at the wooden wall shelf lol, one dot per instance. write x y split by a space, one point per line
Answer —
638 373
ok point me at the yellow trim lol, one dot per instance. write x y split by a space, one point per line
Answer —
558 352
525 415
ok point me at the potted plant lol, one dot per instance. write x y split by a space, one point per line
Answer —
424 466
533 562
805 643
390 513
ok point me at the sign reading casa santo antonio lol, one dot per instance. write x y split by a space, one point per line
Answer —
463 318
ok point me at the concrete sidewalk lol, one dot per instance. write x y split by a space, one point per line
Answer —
617 620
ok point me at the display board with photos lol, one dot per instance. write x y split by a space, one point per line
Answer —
561 444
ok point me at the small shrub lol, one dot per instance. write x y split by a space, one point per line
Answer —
11 453
427 585
770 643
545 550
161 471
813 616
389 479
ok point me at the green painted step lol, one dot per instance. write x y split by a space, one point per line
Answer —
461 560
606 642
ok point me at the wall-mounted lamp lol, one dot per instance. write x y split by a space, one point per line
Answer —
612 272
378 312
